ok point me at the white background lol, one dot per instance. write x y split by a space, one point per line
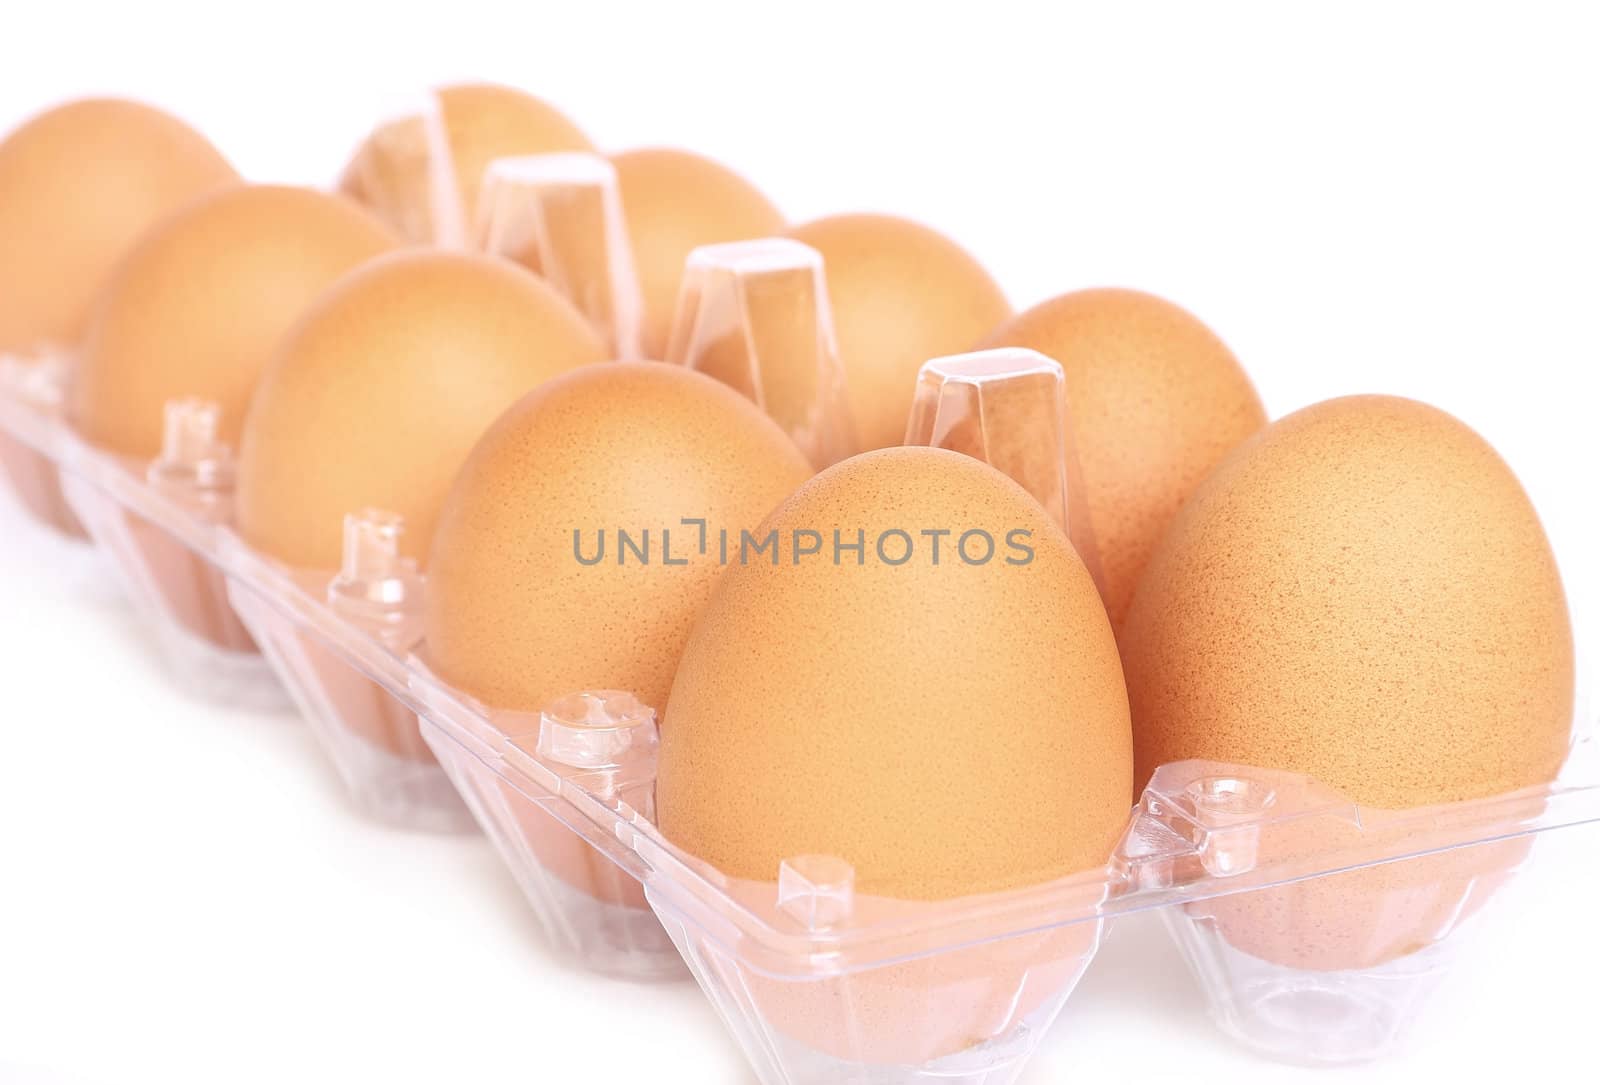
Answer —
1374 198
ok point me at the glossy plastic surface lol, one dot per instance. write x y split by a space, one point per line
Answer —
406 173
755 315
1008 408
560 215
369 733
588 906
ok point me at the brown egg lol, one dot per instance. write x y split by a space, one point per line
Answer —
519 611
78 185
1156 401
378 394
482 122
901 294
675 201
926 719
1363 594
200 303
928 722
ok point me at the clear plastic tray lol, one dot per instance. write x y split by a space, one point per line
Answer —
1316 927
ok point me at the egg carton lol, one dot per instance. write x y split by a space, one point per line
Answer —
1315 926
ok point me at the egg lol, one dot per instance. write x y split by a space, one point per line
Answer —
566 557
200 303
78 185
675 201
834 707
392 172
1361 594
1156 400
379 392
901 294
917 714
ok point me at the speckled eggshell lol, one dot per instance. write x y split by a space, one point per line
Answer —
1156 401
78 185
901 294
676 201
1363 594
946 728
513 617
198 306
483 121
381 390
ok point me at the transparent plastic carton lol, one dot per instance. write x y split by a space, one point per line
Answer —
1315 926
306 623
508 766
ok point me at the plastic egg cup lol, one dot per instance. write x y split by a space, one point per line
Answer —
158 524
1330 961
330 637
512 768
